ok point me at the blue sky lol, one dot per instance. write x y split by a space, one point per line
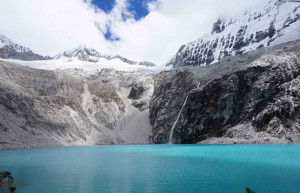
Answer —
138 8
105 5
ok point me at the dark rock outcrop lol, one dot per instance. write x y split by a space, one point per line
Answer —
145 63
136 91
218 27
8 53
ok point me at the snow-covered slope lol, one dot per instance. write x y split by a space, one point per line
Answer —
11 50
78 68
270 23
84 53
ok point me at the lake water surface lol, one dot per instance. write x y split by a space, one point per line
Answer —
155 168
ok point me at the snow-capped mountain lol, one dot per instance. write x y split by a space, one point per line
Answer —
84 53
81 61
272 23
5 42
11 50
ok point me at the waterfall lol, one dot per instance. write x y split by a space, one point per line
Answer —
178 116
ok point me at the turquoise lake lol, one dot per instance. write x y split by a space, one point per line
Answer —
155 168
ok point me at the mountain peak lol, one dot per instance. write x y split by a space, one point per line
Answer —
263 25
81 52
5 42
11 50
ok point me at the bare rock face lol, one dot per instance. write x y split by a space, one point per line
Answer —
36 106
40 108
252 98
166 102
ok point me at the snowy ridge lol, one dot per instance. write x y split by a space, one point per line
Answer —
10 50
83 61
84 53
275 22
4 41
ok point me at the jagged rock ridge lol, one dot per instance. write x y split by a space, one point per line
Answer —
272 23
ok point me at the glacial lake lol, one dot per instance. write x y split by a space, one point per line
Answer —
155 168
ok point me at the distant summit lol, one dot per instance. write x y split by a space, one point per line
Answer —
11 50
84 53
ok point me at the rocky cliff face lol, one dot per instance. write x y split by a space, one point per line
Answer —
270 23
40 108
10 50
251 98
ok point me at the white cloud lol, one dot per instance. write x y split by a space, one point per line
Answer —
52 26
